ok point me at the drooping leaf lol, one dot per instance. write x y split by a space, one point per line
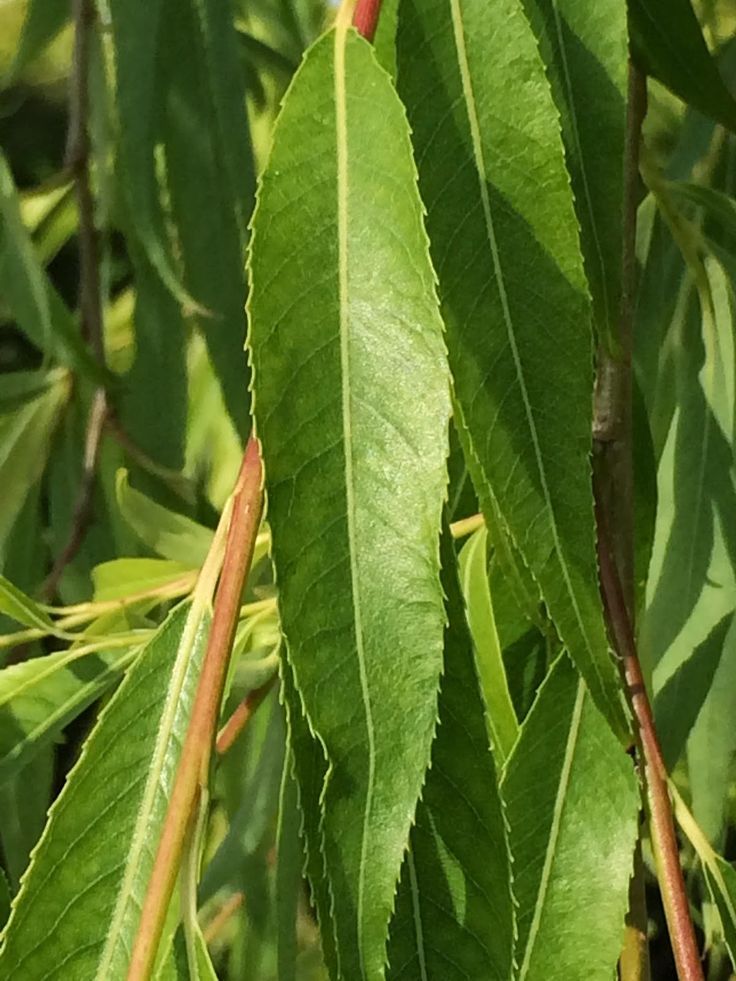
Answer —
289 871
502 722
38 308
454 916
514 296
173 536
720 878
310 769
158 375
39 697
14 603
90 871
584 47
43 21
4 899
24 801
342 338
137 34
208 208
25 436
668 43
125 577
572 803
681 698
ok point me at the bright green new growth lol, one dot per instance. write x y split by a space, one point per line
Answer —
351 394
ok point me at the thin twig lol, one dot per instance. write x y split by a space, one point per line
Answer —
242 716
365 18
193 772
222 917
659 806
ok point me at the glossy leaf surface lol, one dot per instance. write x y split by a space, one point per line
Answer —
344 332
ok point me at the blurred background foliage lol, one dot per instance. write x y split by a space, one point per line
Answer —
175 373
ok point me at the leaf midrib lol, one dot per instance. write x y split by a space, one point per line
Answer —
342 26
554 832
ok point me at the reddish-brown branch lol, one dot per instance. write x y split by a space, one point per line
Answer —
193 771
222 917
365 18
242 716
662 828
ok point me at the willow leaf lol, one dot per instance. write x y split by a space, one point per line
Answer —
207 208
454 916
43 21
41 696
136 31
290 860
14 603
505 246
585 49
25 438
345 332
572 803
668 43
501 716
89 872
720 877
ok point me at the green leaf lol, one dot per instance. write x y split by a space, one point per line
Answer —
119 578
500 714
290 861
681 698
14 603
24 801
43 21
19 387
310 770
39 697
584 47
4 899
572 803
454 916
38 308
514 297
720 878
208 209
25 437
344 332
355 464
137 36
667 42
90 870
173 536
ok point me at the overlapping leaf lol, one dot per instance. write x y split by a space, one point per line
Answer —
668 43
584 47
41 696
345 333
454 916
572 803
514 296
89 874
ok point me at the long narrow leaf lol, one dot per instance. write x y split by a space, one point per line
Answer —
514 296
572 803
345 332
454 914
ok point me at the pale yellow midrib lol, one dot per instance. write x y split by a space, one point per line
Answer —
467 85
342 26
554 831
